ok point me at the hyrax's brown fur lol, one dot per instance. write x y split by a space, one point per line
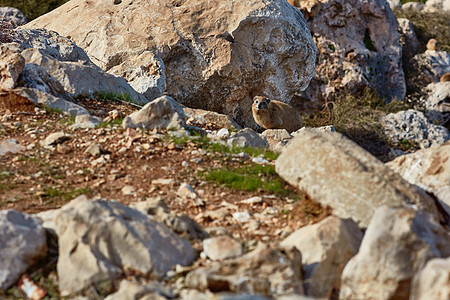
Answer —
445 77
272 114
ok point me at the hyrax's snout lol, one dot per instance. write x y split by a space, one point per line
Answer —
261 105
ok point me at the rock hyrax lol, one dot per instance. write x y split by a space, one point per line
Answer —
272 114
433 44
445 77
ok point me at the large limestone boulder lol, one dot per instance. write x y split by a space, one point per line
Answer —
217 54
429 169
100 240
263 271
354 50
397 244
326 247
337 172
412 126
433 281
22 242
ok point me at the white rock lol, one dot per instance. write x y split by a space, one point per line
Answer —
252 200
129 290
326 247
432 282
128 190
98 240
223 134
413 126
397 244
185 191
222 247
22 243
264 271
10 146
337 172
161 113
12 15
11 65
247 138
429 169
241 216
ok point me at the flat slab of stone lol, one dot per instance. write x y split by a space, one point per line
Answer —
335 171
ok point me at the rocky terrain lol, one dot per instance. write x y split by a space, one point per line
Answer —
131 166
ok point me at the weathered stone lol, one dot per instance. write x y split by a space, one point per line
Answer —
86 121
354 51
22 242
99 240
263 271
11 65
408 39
276 136
180 224
10 146
327 128
95 150
412 6
222 247
217 54
437 6
247 138
337 172
429 169
13 16
201 117
223 134
146 73
397 244
186 192
54 139
161 113
432 282
129 290
428 67
412 126
394 4
81 77
49 43
326 248
9 100
50 101
437 102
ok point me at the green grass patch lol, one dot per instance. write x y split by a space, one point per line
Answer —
57 193
209 145
111 96
368 41
117 122
250 178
